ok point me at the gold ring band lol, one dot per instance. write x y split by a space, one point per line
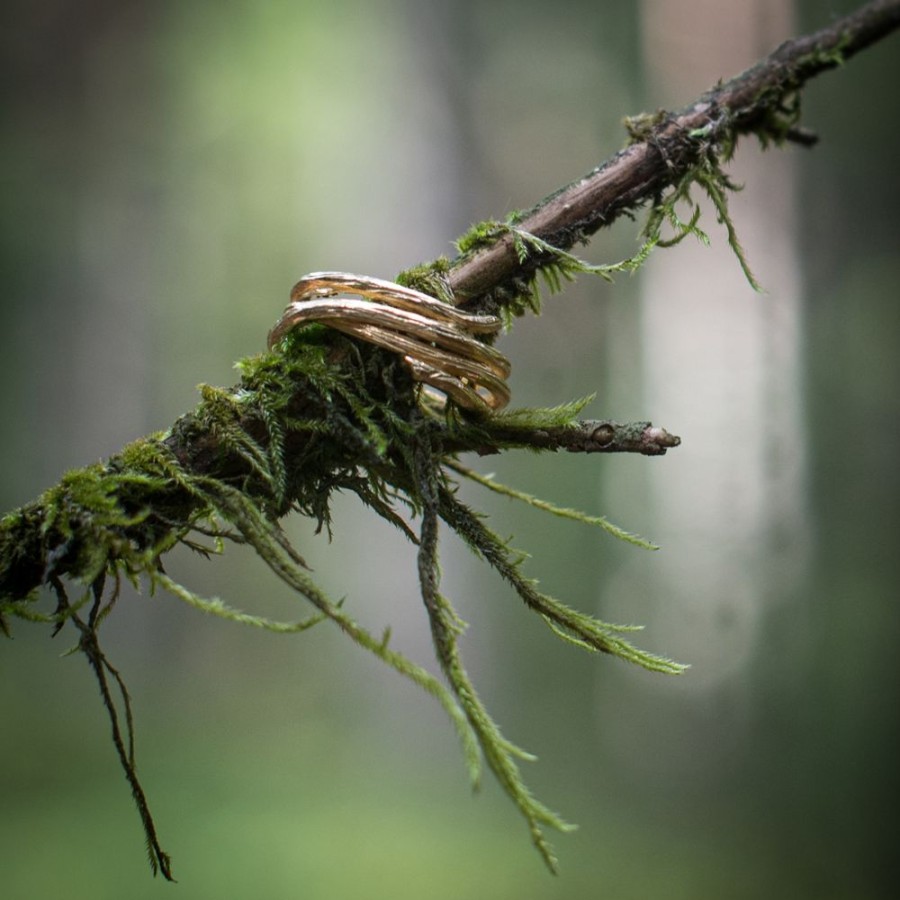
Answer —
434 338
330 284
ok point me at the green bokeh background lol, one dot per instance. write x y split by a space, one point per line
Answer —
169 170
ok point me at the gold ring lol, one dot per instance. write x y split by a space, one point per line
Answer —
434 338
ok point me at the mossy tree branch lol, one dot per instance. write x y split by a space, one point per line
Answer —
667 151
322 412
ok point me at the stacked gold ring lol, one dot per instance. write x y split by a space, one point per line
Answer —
435 339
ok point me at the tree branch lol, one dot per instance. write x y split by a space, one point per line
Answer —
589 436
324 412
665 150
261 429
666 147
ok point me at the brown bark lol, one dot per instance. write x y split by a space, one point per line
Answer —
644 170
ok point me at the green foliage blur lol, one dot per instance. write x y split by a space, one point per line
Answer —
171 168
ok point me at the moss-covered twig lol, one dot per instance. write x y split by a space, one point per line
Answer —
667 152
322 412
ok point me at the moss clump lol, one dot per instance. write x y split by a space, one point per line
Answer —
319 414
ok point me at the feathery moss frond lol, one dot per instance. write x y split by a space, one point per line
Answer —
545 506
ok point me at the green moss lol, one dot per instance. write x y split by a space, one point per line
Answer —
479 236
319 414
322 413
147 455
642 126
429 278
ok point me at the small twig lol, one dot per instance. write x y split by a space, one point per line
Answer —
89 645
590 436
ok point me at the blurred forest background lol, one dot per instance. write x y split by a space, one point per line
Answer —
171 168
